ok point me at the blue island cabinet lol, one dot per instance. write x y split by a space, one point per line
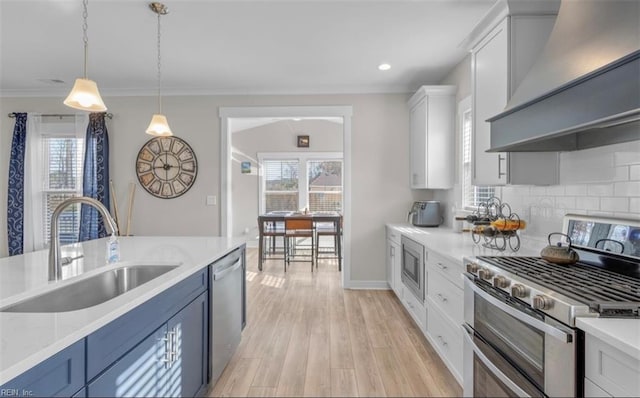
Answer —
159 348
61 375
171 362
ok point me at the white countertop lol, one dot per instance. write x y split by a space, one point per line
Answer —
621 333
26 339
456 245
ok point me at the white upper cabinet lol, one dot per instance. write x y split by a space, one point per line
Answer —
501 56
432 125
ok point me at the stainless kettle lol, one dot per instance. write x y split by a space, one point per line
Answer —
559 254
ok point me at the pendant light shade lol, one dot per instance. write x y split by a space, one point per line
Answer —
159 126
85 95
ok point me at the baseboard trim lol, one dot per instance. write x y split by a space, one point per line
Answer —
368 285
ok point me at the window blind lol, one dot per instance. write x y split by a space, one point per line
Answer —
281 184
325 185
62 179
472 195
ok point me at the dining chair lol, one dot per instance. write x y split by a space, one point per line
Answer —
328 229
270 230
295 228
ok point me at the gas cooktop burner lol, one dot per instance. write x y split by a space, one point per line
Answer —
609 293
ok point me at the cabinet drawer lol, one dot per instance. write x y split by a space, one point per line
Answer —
58 376
415 307
450 269
446 296
109 343
446 339
616 372
393 235
593 391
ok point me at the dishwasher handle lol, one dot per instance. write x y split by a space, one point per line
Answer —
218 275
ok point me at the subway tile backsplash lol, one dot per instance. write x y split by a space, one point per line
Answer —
601 181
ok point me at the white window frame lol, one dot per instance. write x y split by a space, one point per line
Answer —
47 190
303 176
464 109
55 130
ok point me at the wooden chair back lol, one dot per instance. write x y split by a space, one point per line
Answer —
298 224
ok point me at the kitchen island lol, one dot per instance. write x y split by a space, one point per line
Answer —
27 339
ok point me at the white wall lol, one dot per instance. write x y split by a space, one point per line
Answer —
324 136
599 181
380 165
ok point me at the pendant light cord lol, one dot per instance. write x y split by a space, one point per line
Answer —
159 69
85 37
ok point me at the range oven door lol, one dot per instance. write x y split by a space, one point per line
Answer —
513 349
413 267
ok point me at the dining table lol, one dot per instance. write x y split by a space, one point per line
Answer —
272 218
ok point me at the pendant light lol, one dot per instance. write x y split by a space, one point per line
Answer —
85 95
159 125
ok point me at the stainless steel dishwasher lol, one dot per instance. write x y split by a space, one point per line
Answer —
227 306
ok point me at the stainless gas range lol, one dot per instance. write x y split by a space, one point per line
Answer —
520 312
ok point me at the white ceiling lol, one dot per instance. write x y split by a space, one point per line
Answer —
234 46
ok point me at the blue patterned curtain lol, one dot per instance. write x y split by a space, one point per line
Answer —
15 197
95 182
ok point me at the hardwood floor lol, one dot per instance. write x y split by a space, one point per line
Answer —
306 336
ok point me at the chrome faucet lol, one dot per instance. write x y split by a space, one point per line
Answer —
55 261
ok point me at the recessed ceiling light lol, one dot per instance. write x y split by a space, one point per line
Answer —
384 66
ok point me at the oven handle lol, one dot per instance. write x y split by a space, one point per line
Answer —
487 362
533 322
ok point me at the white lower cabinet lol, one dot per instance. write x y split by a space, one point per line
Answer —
609 370
394 258
592 390
416 308
447 296
441 314
445 311
446 338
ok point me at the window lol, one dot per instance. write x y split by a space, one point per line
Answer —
325 185
472 195
294 181
280 184
62 179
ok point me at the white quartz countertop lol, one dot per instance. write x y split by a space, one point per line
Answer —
621 333
26 339
457 245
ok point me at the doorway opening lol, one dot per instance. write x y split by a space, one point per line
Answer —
236 163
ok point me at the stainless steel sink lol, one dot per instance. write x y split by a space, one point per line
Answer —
91 291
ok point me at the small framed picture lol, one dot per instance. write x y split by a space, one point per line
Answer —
245 167
303 141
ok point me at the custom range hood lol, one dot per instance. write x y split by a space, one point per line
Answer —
584 89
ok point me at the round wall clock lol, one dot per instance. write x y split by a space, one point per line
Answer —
166 167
